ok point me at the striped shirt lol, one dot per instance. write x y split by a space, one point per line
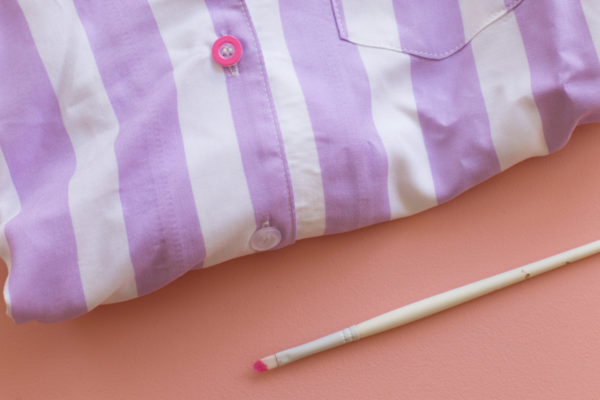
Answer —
131 152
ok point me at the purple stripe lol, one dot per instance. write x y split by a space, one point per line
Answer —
336 87
565 70
451 109
44 282
256 124
158 205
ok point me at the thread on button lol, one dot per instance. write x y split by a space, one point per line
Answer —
227 50
233 70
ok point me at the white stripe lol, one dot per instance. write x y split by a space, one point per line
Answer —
370 23
213 156
294 121
591 10
504 76
478 14
410 182
94 201
127 291
9 208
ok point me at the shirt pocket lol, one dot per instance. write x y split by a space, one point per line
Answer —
433 29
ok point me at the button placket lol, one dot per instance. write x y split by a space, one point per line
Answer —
256 126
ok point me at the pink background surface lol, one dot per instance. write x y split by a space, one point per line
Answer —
198 337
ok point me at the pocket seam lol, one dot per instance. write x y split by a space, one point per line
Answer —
468 37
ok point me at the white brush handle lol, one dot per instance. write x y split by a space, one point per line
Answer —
429 306
324 343
440 302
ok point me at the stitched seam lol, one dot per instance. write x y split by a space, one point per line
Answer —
338 17
271 112
468 37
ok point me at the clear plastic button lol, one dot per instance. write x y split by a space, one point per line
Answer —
265 238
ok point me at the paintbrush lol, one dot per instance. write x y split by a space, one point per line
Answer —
426 307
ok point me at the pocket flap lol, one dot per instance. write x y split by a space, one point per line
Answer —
432 29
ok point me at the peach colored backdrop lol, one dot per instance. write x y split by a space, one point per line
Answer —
198 337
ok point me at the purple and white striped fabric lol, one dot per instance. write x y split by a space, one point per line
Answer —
130 156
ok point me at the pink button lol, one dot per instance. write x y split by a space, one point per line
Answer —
227 51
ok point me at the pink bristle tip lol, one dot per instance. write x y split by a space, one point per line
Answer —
260 366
